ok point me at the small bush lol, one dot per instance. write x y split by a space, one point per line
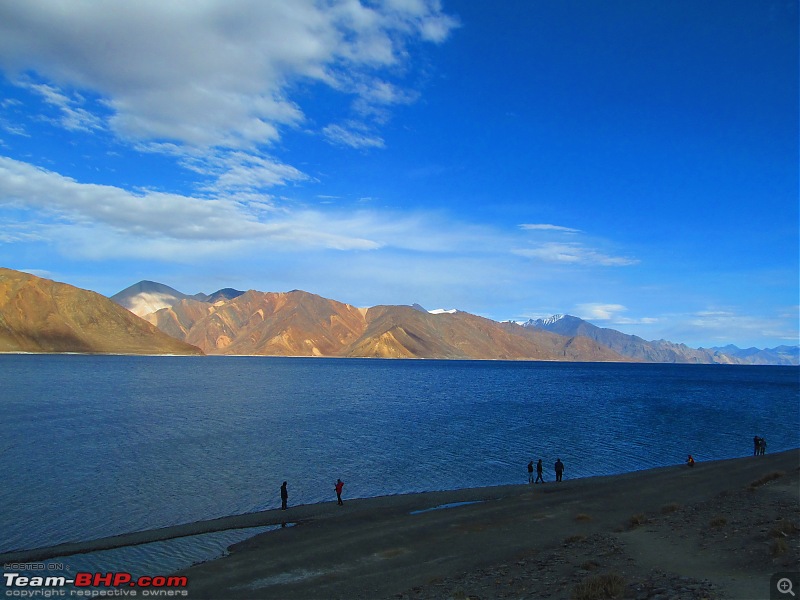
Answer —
574 539
590 565
783 528
600 587
779 547
670 508
583 517
638 519
718 522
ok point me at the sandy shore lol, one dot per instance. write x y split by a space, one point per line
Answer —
718 530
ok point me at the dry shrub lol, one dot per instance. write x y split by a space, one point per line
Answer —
779 547
637 519
766 479
670 508
600 587
783 528
590 565
718 522
583 517
574 539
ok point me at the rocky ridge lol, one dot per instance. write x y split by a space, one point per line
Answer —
40 315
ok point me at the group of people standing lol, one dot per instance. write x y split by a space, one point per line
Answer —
338 487
559 468
759 446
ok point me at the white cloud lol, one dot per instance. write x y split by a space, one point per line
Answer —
600 312
216 76
548 227
719 323
215 73
352 135
573 254
155 215
153 224
73 117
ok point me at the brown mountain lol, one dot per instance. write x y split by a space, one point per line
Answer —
40 315
301 324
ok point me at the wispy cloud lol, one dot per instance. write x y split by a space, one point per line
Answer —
612 313
352 134
600 312
154 215
153 223
573 254
73 116
718 323
548 227
563 245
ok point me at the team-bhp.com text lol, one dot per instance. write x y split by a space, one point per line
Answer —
87 584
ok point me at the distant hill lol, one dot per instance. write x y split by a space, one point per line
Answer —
147 297
631 346
298 323
780 355
40 315
220 295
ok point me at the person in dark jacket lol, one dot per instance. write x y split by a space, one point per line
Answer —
539 470
530 472
284 496
559 466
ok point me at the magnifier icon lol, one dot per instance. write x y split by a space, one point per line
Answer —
785 586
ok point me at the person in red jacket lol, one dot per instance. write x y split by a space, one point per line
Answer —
338 488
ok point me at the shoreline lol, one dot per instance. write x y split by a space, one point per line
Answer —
444 543
275 516
630 361
417 502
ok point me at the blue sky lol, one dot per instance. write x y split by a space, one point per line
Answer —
634 163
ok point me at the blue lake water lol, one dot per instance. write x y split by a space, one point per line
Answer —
94 446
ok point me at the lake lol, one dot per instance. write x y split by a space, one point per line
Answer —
99 445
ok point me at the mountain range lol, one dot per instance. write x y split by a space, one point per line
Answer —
38 315
663 351
298 323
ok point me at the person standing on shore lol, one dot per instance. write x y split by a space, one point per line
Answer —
284 496
690 461
762 446
559 469
756 445
338 488
530 472
539 469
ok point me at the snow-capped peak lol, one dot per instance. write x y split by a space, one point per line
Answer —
541 323
442 311
550 320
